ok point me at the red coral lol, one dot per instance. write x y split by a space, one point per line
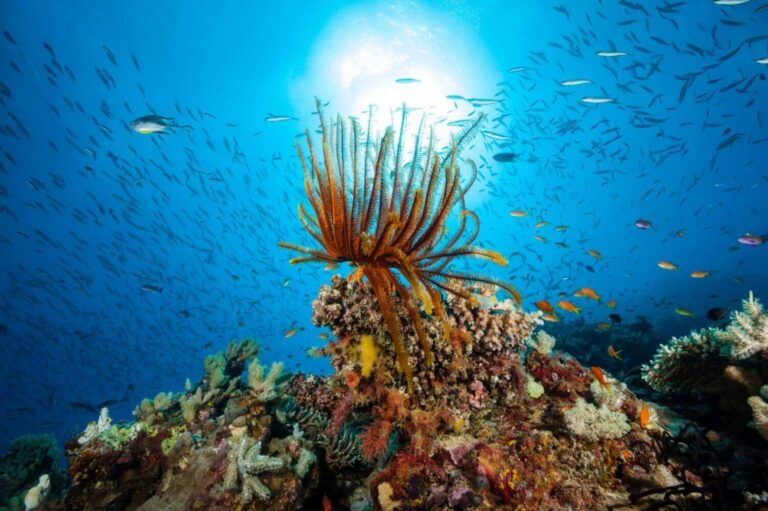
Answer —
561 377
340 414
376 439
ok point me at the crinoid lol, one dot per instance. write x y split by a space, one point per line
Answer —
388 218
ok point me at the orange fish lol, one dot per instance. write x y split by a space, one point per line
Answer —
666 265
699 274
331 266
327 503
293 331
518 213
645 416
544 306
600 376
626 455
603 326
594 253
540 224
587 292
611 304
613 353
551 317
356 275
568 306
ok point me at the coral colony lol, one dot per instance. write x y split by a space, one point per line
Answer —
443 396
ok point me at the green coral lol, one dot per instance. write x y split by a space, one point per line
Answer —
167 444
533 389
117 436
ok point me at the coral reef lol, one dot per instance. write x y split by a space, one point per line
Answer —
28 460
725 368
480 360
436 402
394 230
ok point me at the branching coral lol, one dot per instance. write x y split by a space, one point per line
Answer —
687 365
245 464
264 387
747 334
391 222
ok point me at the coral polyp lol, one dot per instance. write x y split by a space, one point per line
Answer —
388 218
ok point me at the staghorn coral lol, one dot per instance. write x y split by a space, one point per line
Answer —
587 421
245 464
392 230
747 333
265 388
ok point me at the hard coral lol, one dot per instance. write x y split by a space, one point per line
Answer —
245 464
588 421
393 231
747 333
484 345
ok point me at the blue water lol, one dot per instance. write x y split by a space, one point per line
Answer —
93 216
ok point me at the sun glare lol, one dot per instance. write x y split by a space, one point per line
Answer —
372 57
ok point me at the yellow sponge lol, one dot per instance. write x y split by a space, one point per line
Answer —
368 353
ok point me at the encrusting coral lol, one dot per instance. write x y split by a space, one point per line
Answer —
392 225
593 423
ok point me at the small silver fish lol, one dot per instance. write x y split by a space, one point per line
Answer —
279 118
571 83
611 54
148 124
596 101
